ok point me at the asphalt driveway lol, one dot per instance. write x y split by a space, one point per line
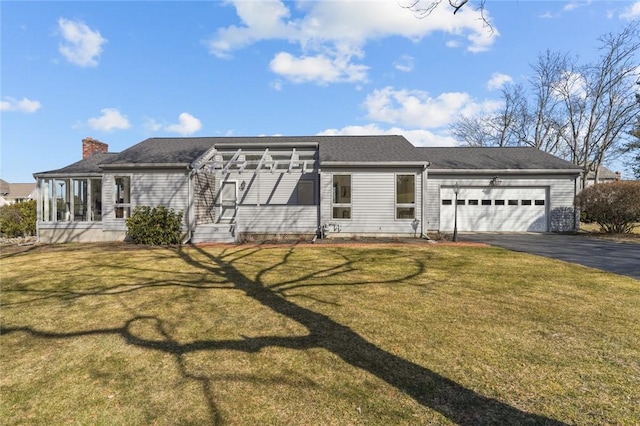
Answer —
617 257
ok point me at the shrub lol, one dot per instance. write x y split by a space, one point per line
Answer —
19 219
614 206
154 226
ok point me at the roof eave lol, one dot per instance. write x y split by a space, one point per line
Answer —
507 171
374 163
117 166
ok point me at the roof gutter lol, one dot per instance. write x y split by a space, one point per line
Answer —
373 163
506 171
113 166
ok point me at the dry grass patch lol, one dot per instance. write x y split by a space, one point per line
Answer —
415 334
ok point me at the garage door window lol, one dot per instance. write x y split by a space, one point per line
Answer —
499 203
486 202
539 202
473 202
526 202
513 202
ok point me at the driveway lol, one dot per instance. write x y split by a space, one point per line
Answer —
617 257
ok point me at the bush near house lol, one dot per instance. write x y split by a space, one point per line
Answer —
18 220
154 226
615 206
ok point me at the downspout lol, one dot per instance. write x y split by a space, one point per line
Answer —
190 220
423 210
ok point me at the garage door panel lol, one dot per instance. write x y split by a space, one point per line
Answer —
495 209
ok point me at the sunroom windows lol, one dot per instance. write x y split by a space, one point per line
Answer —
71 200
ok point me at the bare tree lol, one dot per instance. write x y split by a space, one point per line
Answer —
600 101
584 113
424 8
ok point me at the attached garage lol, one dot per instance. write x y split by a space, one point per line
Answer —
520 209
504 189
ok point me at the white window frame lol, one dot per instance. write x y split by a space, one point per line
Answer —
398 205
334 196
124 205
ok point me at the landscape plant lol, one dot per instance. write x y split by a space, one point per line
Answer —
18 220
154 226
615 206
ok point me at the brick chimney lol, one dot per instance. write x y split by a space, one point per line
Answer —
90 146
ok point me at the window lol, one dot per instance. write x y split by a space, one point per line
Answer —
122 192
539 202
341 197
525 202
513 202
473 202
446 202
486 202
461 202
405 196
304 192
498 203
67 200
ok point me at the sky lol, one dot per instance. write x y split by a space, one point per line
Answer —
125 71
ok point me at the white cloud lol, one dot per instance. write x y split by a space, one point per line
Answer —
81 45
187 125
331 34
572 5
151 125
321 69
632 12
415 108
111 119
405 64
498 80
417 137
23 105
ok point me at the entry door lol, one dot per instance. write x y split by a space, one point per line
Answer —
228 201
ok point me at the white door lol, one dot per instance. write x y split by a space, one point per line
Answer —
228 202
522 209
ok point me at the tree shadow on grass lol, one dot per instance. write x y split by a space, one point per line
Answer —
454 401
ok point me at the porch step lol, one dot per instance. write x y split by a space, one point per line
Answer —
214 233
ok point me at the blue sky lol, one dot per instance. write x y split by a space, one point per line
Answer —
122 71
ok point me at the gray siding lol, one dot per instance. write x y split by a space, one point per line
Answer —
152 188
278 219
560 204
372 201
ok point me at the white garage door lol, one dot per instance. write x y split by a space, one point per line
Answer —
495 209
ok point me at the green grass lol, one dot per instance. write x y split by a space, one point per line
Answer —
302 335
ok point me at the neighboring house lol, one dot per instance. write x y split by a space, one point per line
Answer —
11 193
323 186
604 175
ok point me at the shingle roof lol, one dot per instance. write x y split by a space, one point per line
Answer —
491 158
87 166
332 148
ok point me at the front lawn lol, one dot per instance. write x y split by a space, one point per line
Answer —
305 335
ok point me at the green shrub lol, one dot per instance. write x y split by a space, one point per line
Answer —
154 226
18 220
615 206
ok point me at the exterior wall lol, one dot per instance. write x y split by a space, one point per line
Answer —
151 188
269 202
67 232
372 202
561 212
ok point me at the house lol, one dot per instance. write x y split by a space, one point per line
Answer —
11 193
313 186
604 176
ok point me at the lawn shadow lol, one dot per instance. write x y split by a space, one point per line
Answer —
454 401
461 405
